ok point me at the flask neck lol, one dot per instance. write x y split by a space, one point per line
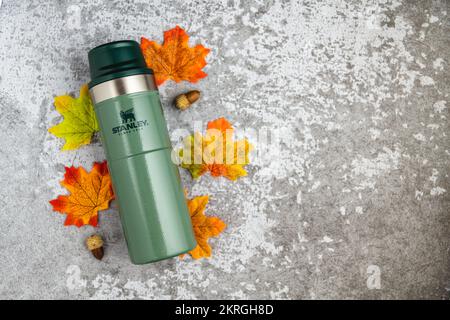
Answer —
120 86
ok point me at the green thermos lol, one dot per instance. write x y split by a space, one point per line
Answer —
146 182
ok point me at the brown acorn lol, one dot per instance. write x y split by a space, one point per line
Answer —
185 100
95 244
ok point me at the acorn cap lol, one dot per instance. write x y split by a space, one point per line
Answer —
182 102
94 242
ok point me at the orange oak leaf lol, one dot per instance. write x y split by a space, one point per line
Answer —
204 227
175 59
215 152
89 193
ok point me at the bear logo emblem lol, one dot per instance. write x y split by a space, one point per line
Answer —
127 115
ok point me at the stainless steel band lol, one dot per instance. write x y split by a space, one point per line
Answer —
117 87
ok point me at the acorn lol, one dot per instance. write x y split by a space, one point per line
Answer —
95 245
185 100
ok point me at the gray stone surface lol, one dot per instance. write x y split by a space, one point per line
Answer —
357 186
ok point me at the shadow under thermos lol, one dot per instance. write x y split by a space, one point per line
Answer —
146 182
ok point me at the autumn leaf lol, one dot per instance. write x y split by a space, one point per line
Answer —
175 59
220 124
204 227
79 122
89 193
215 152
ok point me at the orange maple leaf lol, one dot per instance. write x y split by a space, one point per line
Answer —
89 193
204 227
220 124
175 59
216 152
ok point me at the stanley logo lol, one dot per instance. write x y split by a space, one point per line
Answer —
129 123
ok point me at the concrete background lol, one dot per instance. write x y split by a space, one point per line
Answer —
355 190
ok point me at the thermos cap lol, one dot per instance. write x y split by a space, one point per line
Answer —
115 60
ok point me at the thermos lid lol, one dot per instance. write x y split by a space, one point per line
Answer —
115 60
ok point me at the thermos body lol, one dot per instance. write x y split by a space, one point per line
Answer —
147 185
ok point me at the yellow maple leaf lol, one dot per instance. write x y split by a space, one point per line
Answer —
204 227
175 59
215 152
89 193
79 122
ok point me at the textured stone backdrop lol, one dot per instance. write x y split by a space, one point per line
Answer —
357 91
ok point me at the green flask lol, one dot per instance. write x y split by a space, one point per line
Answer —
147 184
